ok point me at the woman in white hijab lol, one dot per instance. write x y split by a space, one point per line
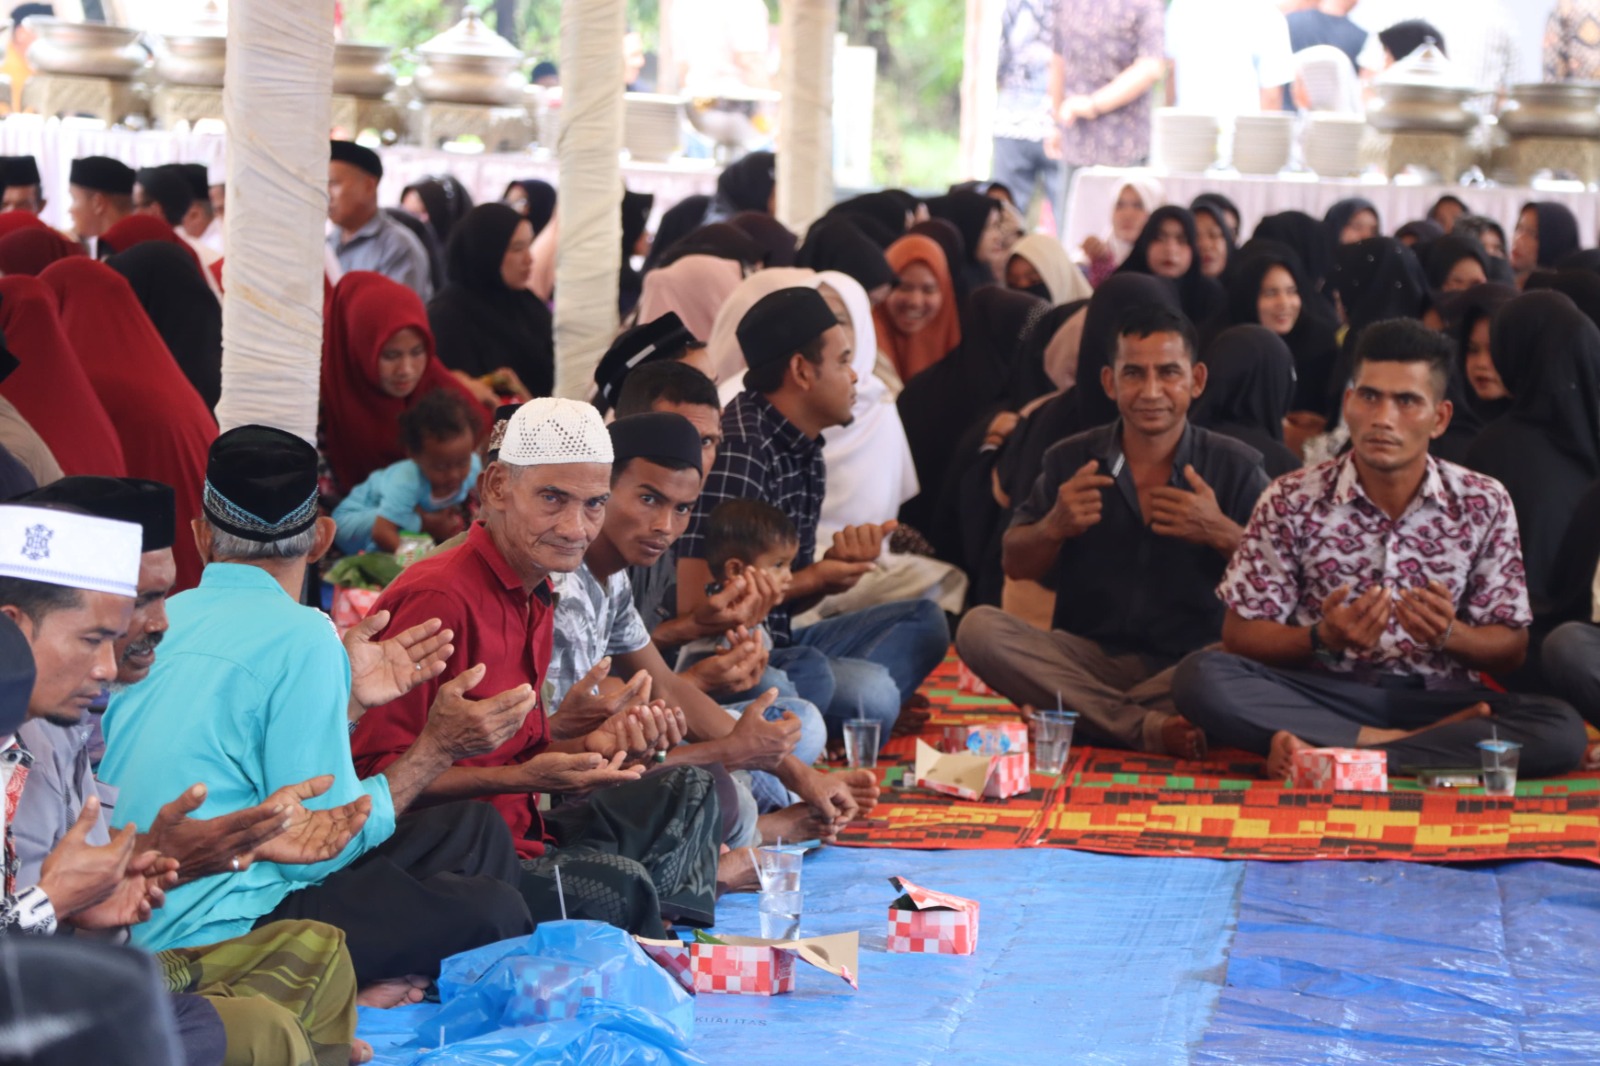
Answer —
1040 265
869 468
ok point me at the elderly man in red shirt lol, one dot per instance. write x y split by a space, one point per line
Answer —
632 850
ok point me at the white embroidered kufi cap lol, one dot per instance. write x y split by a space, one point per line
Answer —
554 430
78 551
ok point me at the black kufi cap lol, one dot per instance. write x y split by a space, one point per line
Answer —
356 155
198 177
18 170
656 436
150 505
261 484
102 174
781 323
168 187
641 344
16 676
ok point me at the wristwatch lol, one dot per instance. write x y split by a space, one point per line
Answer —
1320 651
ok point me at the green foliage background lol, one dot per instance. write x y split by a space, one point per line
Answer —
919 46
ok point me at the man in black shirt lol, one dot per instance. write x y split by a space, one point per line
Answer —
1138 519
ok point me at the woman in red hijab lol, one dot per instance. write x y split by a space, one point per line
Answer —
378 360
136 229
30 249
50 389
165 428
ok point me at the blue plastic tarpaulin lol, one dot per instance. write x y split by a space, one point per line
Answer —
1402 962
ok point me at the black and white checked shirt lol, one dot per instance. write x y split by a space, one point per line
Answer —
764 456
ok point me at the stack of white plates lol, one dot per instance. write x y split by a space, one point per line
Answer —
651 126
1331 146
1184 142
1261 143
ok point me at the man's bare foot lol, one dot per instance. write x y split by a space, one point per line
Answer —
1372 737
360 1051
736 872
1591 757
1182 739
863 785
793 823
395 992
1280 756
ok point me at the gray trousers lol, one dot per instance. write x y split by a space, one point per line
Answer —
1019 164
1121 700
1571 659
1241 704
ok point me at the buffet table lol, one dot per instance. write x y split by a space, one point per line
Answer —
1094 191
56 142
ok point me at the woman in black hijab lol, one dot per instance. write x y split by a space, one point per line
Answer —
968 386
1579 286
1250 380
1227 209
721 240
1085 405
773 237
484 319
885 208
181 306
1352 220
837 243
534 200
677 222
1308 239
1546 233
977 218
445 202
1455 264
635 218
1419 234
1546 448
1262 278
1166 249
1215 242
751 184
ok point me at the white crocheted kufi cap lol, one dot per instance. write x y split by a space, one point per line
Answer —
77 551
553 430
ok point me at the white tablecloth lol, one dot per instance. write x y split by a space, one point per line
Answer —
56 143
1095 189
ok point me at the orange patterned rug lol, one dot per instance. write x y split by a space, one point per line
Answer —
1128 803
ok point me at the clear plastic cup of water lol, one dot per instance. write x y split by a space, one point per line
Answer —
780 915
778 869
1052 740
861 743
1500 761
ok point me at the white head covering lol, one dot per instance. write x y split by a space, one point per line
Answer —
77 551
552 430
1064 280
723 345
1329 79
1150 194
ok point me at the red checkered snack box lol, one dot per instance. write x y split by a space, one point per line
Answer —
1340 769
987 738
935 923
743 971
673 957
750 966
972 777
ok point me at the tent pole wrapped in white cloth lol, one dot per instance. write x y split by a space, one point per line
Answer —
589 210
276 99
805 115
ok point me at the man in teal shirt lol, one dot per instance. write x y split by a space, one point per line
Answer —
253 692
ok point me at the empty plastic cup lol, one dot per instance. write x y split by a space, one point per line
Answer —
1052 740
861 743
1500 760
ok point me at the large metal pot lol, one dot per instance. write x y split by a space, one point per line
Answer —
1423 92
362 69
469 64
1552 109
91 49
195 53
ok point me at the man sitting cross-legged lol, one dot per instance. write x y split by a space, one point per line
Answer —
633 851
1137 519
1370 590
253 692
655 480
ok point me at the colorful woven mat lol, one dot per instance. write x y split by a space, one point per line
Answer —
1133 804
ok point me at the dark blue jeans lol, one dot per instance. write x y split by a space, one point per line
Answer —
866 664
